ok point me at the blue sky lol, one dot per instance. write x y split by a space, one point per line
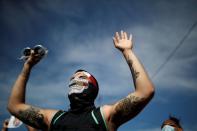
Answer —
79 34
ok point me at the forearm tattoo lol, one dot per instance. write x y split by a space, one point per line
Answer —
135 74
128 108
33 117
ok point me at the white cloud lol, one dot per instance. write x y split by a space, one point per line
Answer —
155 48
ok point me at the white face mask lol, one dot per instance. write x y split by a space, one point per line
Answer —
168 128
77 85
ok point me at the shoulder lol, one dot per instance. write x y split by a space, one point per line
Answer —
100 117
53 116
49 115
107 111
124 109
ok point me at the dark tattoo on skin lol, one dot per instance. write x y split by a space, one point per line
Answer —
135 74
33 117
128 108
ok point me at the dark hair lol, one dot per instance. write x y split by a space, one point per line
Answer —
80 70
173 120
176 120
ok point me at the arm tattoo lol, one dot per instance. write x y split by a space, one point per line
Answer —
127 108
33 117
135 74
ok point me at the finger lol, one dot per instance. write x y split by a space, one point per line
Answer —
125 35
32 52
130 37
122 34
115 41
37 55
117 36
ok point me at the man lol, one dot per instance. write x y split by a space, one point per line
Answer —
171 124
83 89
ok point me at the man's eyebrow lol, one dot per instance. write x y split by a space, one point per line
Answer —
84 76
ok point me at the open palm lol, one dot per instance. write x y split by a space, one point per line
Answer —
122 42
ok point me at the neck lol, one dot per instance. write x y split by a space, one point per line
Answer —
81 107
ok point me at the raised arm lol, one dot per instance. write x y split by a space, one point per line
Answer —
130 106
33 116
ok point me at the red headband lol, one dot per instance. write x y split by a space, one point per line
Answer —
91 79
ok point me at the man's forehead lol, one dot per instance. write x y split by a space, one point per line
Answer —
82 73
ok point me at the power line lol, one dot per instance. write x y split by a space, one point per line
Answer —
175 49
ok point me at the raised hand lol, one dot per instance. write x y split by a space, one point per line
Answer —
33 59
122 42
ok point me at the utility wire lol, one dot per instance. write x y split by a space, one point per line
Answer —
175 49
